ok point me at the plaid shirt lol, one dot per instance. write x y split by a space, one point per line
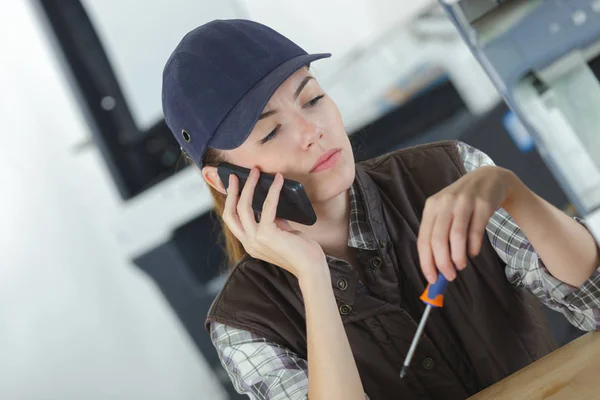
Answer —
266 370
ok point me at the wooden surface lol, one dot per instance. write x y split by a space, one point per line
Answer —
569 373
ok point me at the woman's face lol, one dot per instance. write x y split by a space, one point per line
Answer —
300 124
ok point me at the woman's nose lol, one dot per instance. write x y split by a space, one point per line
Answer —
309 131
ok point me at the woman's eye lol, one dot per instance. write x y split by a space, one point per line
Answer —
314 101
270 135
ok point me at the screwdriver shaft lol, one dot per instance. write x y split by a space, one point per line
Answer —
415 342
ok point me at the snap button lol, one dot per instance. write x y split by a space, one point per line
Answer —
345 309
376 262
342 284
428 363
186 135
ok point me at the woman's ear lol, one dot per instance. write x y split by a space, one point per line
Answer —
211 177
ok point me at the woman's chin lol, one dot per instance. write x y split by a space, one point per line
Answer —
331 185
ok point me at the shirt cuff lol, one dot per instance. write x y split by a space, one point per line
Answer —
587 295
580 305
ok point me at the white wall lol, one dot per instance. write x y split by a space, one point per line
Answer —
335 26
138 37
77 321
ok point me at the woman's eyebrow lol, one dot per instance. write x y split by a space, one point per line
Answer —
306 79
266 114
301 86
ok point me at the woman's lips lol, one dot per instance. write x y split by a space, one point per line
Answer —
327 160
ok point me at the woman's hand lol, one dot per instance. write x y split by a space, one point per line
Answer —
272 239
454 220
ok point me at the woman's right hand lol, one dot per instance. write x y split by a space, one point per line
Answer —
272 239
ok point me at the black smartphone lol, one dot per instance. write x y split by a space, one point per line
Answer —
293 205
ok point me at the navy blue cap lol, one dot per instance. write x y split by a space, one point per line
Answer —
219 79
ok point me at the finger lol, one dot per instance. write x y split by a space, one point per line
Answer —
458 234
269 209
230 215
440 244
481 216
244 205
424 244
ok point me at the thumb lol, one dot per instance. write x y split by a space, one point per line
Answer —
283 224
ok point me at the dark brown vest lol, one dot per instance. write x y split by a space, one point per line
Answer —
487 329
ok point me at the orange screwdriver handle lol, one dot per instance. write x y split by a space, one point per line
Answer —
434 294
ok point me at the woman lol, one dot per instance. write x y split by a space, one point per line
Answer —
339 300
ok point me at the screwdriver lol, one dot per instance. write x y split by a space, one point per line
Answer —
433 296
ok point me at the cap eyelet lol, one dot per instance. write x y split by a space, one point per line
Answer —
186 135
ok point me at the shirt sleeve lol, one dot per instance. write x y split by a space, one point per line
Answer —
259 368
524 268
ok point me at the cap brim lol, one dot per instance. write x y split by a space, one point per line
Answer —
239 122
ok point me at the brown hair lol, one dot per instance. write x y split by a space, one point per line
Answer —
234 250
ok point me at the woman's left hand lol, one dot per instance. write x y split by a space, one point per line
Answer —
454 220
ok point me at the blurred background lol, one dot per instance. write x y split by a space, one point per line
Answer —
108 247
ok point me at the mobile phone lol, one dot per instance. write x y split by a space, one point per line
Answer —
293 205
